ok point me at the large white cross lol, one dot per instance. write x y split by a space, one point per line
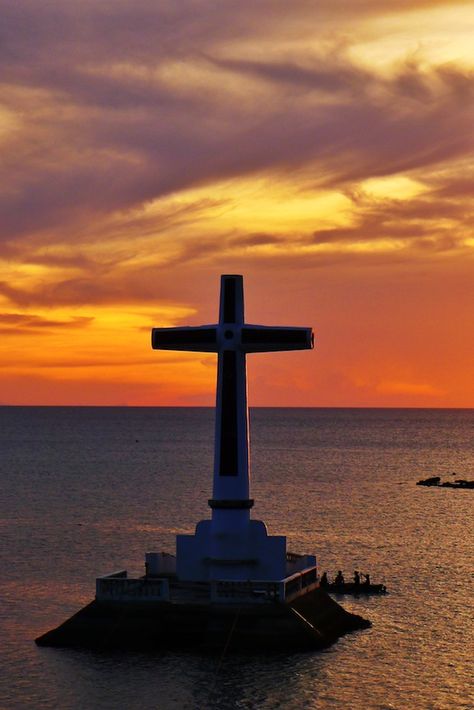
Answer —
232 339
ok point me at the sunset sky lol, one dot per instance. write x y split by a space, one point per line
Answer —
322 149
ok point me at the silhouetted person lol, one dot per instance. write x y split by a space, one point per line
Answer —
339 578
324 581
356 579
367 580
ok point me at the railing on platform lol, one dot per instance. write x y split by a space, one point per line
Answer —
232 591
300 583
118 587
298 563
255 591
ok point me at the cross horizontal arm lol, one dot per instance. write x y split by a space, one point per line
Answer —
201 339
261 339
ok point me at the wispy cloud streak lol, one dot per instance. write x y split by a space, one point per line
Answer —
147 146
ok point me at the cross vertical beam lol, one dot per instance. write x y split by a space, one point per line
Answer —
231 338
231 455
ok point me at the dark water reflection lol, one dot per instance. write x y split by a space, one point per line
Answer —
86 491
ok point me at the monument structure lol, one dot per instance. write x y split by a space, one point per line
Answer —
231 546
229 580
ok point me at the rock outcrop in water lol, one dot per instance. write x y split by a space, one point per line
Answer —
435 481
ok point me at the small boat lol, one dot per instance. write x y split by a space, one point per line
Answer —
356 589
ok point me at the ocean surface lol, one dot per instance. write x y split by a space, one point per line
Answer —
86 491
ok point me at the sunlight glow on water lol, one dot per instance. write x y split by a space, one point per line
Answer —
82 497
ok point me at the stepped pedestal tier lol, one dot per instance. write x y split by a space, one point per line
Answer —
230 576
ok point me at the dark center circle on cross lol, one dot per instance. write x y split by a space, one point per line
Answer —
228 334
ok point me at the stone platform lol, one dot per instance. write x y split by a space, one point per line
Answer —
310 621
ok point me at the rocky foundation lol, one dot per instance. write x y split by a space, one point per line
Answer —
313 621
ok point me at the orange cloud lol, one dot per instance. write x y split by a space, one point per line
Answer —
148 148
410 388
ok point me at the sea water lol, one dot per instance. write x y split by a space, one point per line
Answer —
86 491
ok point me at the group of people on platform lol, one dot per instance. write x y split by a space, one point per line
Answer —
339 579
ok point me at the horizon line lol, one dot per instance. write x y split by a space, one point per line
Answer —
204 406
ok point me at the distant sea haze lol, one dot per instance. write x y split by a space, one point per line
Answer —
86 491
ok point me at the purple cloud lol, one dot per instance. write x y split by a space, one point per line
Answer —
121 104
